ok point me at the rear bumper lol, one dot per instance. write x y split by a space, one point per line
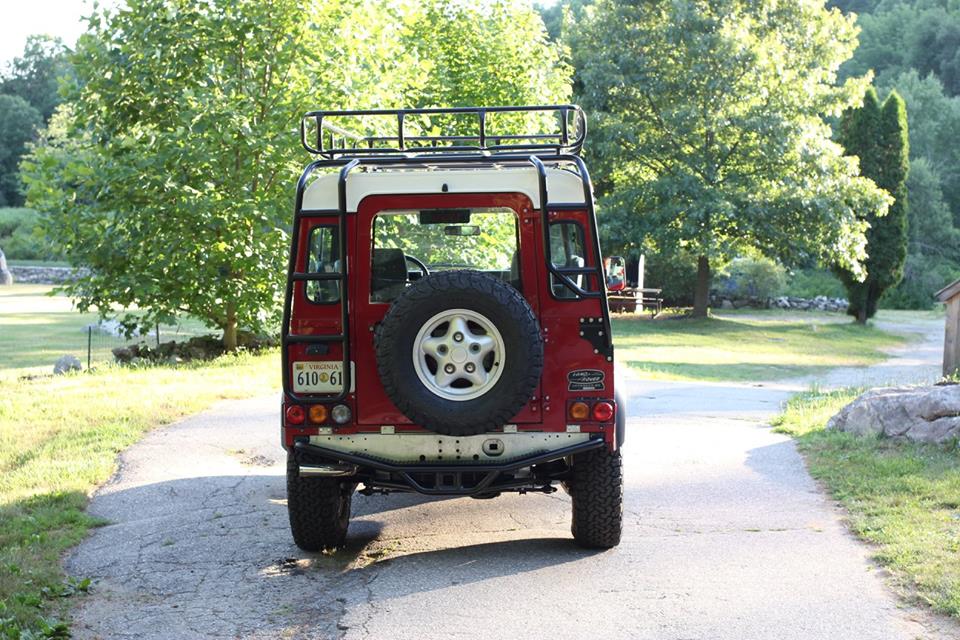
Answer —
468 479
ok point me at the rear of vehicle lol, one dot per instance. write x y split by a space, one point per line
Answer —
445 326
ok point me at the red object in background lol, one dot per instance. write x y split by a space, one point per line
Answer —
616 269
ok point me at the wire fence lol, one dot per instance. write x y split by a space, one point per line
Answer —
102 340
49 343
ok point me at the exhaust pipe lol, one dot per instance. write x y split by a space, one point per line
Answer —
327 470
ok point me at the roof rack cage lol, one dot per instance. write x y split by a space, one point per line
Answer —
471 131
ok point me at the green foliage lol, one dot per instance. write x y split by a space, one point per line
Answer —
35 76
923 276
18 125
755 277
673 272
810 283
709 132
878 136
169 172
912 46
21 238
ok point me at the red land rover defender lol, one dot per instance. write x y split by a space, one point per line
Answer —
445 326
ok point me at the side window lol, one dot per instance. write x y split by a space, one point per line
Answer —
323 258
568 251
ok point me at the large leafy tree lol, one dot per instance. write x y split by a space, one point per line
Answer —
169 172
36 74
28 96
878 136
19 123
169 175
711 132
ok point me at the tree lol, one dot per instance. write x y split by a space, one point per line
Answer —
878 136
168 173
35 75
709 132
18 125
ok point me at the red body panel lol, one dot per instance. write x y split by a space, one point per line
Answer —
564 348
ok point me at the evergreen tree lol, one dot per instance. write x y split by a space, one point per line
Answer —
878 136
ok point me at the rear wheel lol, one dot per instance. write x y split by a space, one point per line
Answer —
319 508
596 490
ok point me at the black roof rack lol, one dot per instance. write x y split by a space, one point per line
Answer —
405 132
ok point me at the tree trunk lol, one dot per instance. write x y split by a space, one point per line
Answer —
701 295
863 312
230 328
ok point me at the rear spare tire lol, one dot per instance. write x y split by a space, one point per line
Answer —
459 352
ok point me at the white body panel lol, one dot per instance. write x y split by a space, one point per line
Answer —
562 186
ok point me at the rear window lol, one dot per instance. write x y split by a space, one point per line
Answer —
408 243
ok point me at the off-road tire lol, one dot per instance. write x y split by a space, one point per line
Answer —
505 307
596 490
319 509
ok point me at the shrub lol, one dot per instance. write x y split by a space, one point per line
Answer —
676 274
755 277
810 283
922 277
20 237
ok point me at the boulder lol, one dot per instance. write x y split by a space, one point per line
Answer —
66 364
122 354
6 278
918 414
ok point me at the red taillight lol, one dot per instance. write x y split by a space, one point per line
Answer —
602 411
295 414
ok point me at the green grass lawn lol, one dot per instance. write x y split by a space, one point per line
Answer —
37 328
746 346
904 498
59 440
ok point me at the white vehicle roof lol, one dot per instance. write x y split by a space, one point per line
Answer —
562 185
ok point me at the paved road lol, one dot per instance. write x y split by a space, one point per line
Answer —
726 537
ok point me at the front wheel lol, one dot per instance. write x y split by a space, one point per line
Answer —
319 508
596 490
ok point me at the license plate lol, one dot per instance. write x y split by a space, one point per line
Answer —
319 377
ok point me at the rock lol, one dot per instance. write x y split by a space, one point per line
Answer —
726 304
66 364
122 355
918 414
6 278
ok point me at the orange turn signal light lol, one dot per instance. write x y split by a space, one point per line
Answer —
318 413
579 411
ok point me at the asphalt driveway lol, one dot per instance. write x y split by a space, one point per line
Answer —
726 537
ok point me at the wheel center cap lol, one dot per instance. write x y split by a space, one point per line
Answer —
458 355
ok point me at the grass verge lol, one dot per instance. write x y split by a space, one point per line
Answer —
59 439
36 328
764 345
904 498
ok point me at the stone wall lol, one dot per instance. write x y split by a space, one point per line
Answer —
820 303
41 275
